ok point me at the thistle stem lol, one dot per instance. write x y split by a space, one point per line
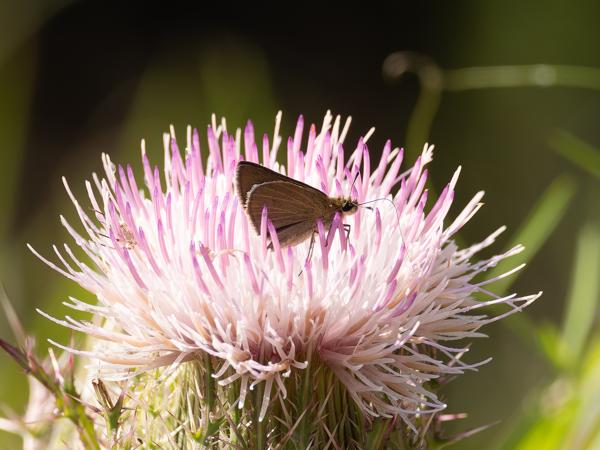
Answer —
259 426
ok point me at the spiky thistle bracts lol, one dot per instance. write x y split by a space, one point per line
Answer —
179 273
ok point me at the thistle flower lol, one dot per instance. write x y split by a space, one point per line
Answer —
180 275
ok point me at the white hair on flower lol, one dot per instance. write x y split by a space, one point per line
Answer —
178 271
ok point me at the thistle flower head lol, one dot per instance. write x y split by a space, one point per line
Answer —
179 273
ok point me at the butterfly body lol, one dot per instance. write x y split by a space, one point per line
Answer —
292 206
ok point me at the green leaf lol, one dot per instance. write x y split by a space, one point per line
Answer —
576 151
536 228
549 340
532 234
549 431
583 295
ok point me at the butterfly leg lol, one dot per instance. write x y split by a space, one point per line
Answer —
311 247
347 228
310 251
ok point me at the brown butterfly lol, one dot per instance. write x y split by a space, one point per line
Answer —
292 206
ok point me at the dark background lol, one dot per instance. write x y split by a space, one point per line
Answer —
81 78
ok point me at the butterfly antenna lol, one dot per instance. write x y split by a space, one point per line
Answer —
354 181
387 200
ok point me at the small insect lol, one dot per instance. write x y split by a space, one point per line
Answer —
127 237
124 235
293 207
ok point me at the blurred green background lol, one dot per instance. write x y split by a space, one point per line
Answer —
81 78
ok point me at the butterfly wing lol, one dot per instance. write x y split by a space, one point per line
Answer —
292 208
294 234
249 174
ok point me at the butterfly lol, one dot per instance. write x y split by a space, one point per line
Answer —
293 207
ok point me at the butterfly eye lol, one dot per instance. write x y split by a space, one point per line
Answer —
347 206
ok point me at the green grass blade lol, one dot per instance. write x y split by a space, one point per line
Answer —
583 295
536 228
533 233
577 151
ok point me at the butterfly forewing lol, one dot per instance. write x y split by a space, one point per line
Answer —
250 174
292 206
293 209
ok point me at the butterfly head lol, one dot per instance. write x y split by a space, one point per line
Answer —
347 206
